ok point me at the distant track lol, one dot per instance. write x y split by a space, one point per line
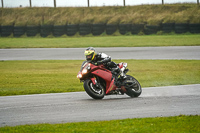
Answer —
174 52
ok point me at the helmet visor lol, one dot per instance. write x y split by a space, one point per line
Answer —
88 57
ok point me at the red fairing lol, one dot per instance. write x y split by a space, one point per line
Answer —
103 73
106 75
111 87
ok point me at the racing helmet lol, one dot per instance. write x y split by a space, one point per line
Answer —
90 53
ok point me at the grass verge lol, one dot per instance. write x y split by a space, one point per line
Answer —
177 124
150 14
102 41
53 76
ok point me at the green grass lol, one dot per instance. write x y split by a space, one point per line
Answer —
102 41
36 77
177 124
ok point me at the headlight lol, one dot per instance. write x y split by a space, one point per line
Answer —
79 76
84 71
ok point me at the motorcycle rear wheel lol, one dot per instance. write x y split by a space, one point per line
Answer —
93 91
135 90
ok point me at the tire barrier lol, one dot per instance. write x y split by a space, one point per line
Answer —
194 28
137 28
84 29
59 30
46 30
72 29
167 27
181 28
96 29
151 29
124 28
6 31
110 29
32 30
19 31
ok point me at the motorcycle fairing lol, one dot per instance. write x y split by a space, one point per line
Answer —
111 87
106 75
103 74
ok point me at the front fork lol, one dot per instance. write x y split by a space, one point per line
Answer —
94 81
111 87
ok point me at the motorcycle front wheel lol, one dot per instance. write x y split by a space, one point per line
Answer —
133 87
93 91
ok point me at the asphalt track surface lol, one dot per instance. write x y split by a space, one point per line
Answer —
179 52
78 106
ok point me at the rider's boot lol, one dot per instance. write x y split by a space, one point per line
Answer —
115 74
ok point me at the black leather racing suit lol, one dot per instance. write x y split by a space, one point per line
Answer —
102 58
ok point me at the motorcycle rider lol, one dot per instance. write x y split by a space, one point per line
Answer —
102 58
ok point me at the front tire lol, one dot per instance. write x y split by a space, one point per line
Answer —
133 90
93 91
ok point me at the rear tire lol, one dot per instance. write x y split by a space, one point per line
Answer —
93 91
135 90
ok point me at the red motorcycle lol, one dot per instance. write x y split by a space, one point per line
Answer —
98 81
